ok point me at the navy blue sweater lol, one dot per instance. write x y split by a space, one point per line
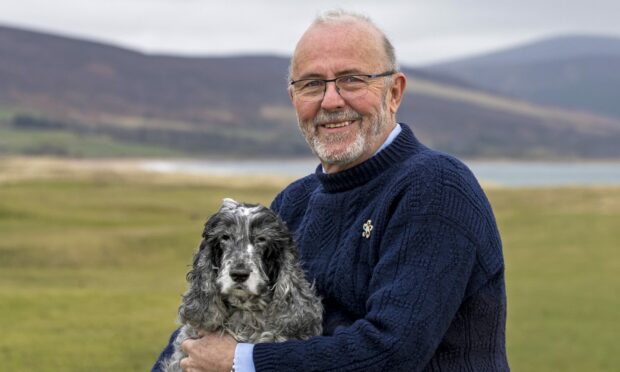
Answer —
405 252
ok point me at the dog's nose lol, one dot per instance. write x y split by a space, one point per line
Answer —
239 275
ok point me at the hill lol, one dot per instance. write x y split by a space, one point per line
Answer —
576 72
70 97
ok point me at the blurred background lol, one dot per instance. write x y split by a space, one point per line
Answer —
124 123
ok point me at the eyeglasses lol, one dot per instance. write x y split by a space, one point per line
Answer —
348 86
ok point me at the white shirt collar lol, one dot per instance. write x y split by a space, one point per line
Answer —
390 138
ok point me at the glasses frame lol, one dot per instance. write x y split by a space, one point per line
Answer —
369 76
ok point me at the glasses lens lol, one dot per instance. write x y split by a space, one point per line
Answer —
309 90
352 86
349 87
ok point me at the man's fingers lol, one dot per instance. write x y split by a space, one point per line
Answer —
184 363
187 345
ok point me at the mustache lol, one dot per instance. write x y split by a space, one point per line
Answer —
325 117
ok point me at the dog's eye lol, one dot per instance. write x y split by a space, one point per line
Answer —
260 239
224 237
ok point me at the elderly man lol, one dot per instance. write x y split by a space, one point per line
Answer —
399 239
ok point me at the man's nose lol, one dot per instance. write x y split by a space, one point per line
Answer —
332 100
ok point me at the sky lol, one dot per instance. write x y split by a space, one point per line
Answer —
422 31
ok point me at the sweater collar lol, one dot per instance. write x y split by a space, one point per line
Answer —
403 146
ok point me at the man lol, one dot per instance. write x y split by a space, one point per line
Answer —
399 239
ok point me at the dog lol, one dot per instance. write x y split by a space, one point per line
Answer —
246 281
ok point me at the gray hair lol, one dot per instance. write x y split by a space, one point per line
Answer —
340 16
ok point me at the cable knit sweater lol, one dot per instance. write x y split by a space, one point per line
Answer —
405 252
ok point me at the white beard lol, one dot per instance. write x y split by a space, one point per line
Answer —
322 147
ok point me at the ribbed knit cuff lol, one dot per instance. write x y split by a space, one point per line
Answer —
263 360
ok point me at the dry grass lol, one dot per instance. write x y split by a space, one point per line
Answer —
14 169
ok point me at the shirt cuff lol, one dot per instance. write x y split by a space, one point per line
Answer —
243 358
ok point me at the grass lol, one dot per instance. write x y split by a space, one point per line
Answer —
561 250
67 143
92 266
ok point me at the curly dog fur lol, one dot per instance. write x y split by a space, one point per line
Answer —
246 281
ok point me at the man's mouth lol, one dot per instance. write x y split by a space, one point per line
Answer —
341 124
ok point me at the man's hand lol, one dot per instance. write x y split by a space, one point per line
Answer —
212 352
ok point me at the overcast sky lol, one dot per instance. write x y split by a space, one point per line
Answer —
423 31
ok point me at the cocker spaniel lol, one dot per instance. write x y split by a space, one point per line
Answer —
246 281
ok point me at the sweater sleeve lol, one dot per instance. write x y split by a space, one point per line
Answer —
276 203
417 285
166 353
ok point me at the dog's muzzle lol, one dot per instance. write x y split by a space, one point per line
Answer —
239 274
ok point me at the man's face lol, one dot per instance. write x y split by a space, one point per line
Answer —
343 133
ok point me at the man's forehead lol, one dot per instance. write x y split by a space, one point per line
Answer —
341 48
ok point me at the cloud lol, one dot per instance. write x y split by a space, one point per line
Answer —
421 30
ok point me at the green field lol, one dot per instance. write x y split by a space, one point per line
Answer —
70 144
92 268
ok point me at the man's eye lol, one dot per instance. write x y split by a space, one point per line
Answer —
351 80
313 84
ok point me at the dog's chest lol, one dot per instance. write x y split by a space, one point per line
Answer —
246 326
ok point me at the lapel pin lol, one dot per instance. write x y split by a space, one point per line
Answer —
367 229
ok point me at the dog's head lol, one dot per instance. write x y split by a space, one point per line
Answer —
247 260
242 247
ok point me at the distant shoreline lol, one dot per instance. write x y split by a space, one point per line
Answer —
491 173
504 173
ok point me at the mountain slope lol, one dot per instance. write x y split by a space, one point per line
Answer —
114 98
576 72
196 104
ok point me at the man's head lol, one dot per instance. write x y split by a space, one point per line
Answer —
345 127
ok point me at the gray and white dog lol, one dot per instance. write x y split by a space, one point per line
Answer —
246 281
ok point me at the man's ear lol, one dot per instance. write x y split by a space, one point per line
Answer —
396 91
290 93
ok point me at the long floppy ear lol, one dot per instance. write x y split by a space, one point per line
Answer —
202 306
295 305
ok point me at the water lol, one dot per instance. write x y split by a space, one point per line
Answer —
292 168
516 174
502 173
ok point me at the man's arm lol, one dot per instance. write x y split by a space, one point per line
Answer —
166 353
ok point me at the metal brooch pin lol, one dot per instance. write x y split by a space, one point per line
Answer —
367 229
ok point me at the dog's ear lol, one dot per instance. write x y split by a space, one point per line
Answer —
279 241
272 257
201 306
210 241
295 304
